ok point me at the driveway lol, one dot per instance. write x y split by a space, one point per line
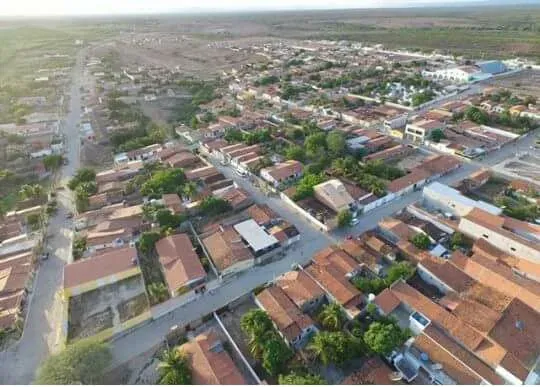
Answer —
40 335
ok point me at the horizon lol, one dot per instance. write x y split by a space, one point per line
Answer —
77 8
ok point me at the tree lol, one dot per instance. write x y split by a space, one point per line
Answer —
82 362
421 241
82 175
477 115
164 182
52 162
315 144
344 218
212 206
147 241
399 270
79 247
190 189
332 317
304 188
332 347
335 142
295 153
298 379
82 200
174 368
437 135
31 191
457 240
256 322
275 355
382 337
157 292
167 219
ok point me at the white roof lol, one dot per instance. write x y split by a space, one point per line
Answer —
458 197
255 235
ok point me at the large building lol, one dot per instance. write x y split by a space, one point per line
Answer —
334 194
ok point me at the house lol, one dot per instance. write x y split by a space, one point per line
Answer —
227 251
182 160
96 241
100 270
237 197
15 274
301 289
334 194
418 131
283 172
173 203
509 235
209 362
256 237
263 215
408 183
392 153
459 75
374 371
295 326
442 197
180 264
285 232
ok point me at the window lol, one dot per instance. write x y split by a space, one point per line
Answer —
485 236
512 248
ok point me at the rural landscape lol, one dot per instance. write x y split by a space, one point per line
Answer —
330 196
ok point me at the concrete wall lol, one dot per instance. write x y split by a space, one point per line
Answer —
431 279
502 242
308 216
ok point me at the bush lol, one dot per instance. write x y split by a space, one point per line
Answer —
421 241
382 337
212 206
344 218
81 176
83 362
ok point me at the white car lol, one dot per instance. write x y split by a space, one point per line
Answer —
355 221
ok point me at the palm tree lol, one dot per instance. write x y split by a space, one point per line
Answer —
319 346
332 317
174 368
190 189
31 191
256 322
258 343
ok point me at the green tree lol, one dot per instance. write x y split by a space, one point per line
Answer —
457 240
399 270
382 337
82 175
147 241
164 182
255 322
157 292
52 162
190 190
82 200
34 221
437 135
167 219
295 153
212 206
31 191
305 185
174 368
335 142
344 218
477 115
79 247
276 355
421 241
82 362
332 347
298 379
332 317
315 144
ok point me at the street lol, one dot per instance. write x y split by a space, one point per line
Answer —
19 363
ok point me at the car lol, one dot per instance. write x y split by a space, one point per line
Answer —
69 215
45 256
355 221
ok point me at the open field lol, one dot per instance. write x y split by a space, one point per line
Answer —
523 83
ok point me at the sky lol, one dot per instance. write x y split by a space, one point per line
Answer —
107 7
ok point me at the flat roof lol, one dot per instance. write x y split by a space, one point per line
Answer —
255 235
457 196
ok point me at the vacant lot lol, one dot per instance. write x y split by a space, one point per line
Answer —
524 83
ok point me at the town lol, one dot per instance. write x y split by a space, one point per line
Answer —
320 212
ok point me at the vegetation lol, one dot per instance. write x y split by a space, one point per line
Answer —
82 175
79 247
344 218
383 337
147 241
421 241
298 379
212 206
399 270
437 135
174 368
165 181
52 162
333 347
332 317
423 97
304 188
82 362
264 342
157 292
457 240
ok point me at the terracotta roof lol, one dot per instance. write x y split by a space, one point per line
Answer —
202 172
286 315
339 259
440 164
460 364
237 197
284 170
99 266
387 301
449 274
415 176
518 332
262 214
299 287
99 238
226 248
173 203
397 227
127 212
417 301
373 371
500 276
210 363
215 144
14 273
182 159
337 286
179 260
355 249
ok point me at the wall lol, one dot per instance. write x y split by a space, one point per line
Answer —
431 279
504 243
305 214
429 218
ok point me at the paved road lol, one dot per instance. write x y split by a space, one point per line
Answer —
40 336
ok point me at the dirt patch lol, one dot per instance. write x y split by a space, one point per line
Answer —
81 325
131 308
524 83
